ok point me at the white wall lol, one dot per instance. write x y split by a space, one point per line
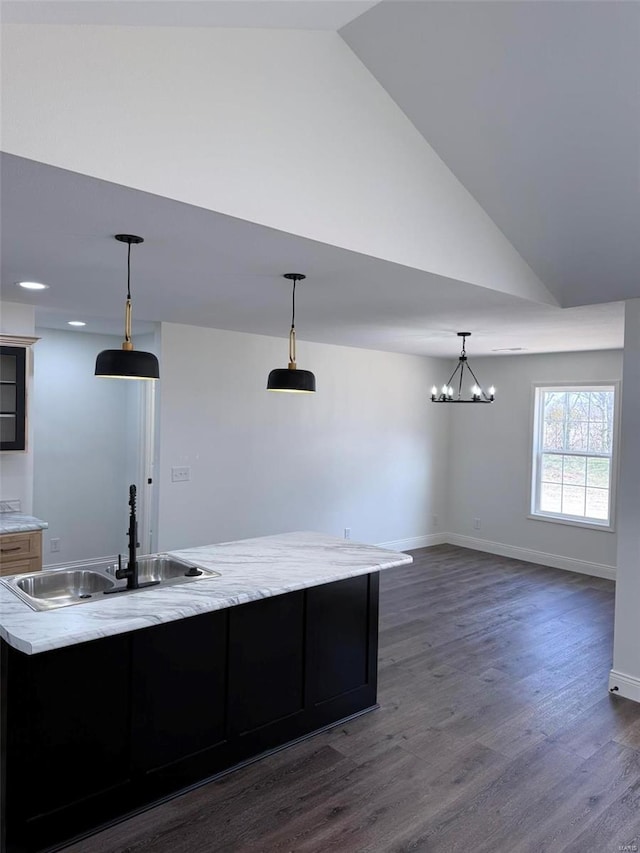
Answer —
16 467
490 455
17 319
367 451
286 128
625 675
82 436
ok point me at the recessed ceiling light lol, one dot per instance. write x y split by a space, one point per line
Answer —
32 285
76 323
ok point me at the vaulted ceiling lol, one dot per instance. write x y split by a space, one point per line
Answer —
533 107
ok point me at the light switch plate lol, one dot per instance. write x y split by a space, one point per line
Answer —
180 475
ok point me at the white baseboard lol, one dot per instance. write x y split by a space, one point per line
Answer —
528 555
415 542
626 685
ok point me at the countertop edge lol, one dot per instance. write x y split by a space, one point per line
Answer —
194 607
20 523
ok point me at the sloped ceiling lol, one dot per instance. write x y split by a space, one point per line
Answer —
535 107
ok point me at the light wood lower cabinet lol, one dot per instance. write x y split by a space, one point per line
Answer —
20 552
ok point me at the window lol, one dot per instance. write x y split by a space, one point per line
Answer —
573 454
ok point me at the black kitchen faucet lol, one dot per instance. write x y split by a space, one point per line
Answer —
131 572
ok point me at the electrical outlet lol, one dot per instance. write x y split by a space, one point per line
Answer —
476 524
347 533
180 475
436 520
55 546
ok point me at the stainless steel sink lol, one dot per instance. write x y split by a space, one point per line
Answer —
54 588
163 568
59 588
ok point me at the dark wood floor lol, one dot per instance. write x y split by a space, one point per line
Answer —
495 733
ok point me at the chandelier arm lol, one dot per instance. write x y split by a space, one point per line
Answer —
462 364
476 381
454 373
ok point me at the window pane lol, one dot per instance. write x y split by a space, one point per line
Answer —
573 500
575 470
552 469
550 498
578 405
599 438
577 435
598 504
598 473
553 436
601 406
554 420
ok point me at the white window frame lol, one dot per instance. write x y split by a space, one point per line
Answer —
536 447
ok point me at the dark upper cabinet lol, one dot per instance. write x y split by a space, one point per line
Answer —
13 396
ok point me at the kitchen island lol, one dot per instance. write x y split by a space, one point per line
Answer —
140 696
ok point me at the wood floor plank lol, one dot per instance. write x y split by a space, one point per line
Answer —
562 814
468 821
495 733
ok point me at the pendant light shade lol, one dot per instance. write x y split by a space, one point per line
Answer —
449 394
127 363
290 378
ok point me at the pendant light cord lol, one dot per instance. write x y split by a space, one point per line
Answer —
127 316
129 272
292 333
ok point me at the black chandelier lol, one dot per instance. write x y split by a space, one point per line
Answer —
447 392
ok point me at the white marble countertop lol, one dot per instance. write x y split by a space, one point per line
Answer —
18 522
250 569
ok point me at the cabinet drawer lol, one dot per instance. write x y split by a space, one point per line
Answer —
20 547
20 567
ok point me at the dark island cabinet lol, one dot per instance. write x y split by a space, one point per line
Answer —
95 732
65 739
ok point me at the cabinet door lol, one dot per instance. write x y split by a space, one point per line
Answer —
341 638
68 721
179 689
12 398
266 663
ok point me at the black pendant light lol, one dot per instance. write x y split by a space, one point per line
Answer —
127 363
447 393
290 378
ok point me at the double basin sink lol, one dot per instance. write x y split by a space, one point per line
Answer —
53 588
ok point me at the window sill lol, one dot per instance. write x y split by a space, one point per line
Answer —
571 522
